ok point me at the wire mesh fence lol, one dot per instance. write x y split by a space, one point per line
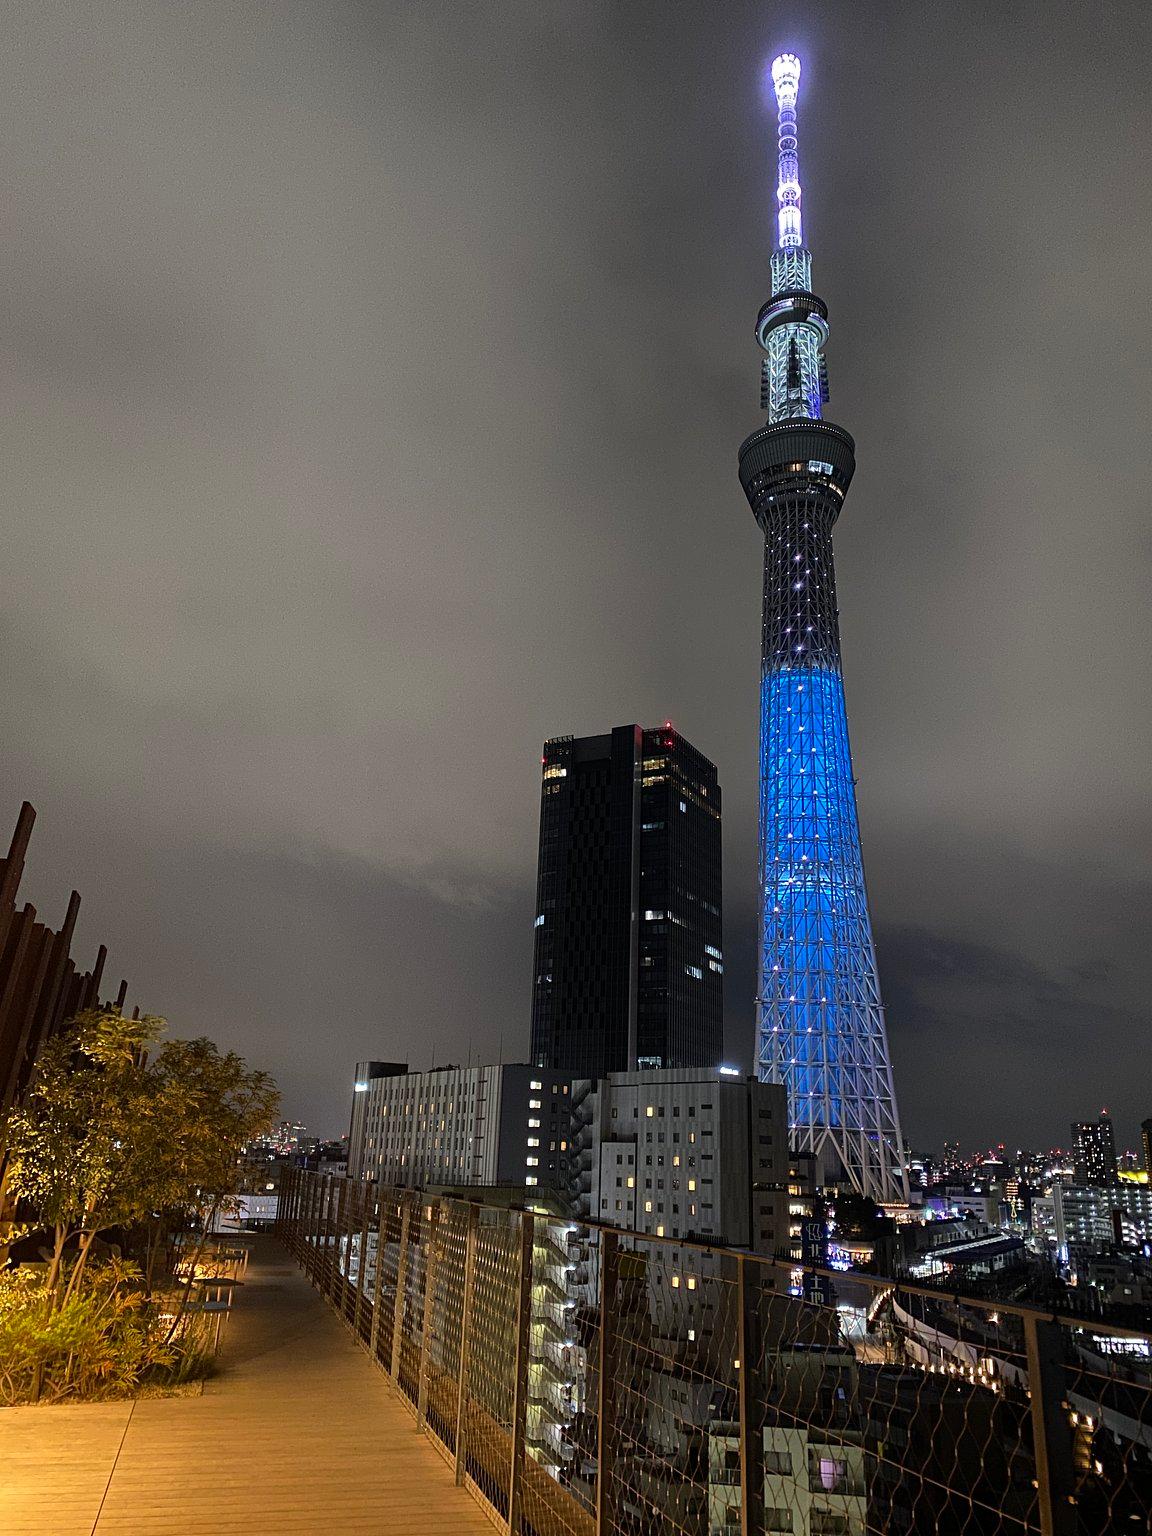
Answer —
584 1381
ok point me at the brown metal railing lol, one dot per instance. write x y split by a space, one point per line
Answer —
584 1381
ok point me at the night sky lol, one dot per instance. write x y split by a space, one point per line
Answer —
373 375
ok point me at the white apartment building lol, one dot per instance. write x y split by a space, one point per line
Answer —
1081 1219
691 1153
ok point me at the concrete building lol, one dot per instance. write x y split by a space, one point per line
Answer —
1080 1220
815 1479
690 1153
460 1126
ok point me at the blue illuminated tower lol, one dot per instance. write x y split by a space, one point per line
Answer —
819 1017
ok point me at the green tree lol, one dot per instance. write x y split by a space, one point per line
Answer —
107 1137
115 1133
220 1104
75 1144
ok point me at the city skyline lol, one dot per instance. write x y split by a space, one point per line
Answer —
250 638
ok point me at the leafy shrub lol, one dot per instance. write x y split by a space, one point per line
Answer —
106 1339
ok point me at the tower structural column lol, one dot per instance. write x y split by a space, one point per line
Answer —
819 1014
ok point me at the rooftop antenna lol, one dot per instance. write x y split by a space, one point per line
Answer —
786 83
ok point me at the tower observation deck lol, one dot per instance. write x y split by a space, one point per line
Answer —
819 1015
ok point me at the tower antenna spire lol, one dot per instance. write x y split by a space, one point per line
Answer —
786 84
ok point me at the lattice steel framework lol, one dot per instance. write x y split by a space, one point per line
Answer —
820 1019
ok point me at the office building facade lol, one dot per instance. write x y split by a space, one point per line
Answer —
460 1126
1081 1220
693 1154
629 960
1094 1151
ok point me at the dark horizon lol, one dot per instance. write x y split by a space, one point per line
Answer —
374 380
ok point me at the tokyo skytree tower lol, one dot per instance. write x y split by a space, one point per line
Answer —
819 1017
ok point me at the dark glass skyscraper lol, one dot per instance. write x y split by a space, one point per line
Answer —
820 1021
1094 1151
629 961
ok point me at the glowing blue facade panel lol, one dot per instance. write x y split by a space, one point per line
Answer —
820 1020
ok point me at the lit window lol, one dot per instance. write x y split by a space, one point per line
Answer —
691 1282
631 1182
710 949
650 1110
530 1179
539 923
533 1125
683 807
694 971
532 1162
654 917
533 1103
676 1161
535 1087
691 1184
675 1282
648 1205
533 1141
660 1231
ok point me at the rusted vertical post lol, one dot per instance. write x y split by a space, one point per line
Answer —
366 1214
520 1377
384 1206
606 1383
400 1303
751 1398
1051 1428
429 1240
465 1340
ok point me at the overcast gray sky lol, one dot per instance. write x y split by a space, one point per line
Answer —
372 378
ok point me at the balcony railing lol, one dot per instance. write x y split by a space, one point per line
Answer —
630 1405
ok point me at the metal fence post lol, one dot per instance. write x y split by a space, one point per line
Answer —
339 1189
400 1304
353 1196
294 1208
429 1238
1051 1429
383 1207
315 1206
324 1232
465 1339
751 1398
606 1382
362 1264
520 1379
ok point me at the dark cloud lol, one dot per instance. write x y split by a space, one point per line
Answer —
372 378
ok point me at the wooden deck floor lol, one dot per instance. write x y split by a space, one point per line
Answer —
300 1433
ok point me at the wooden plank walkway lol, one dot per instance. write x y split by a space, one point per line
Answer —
300 1435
